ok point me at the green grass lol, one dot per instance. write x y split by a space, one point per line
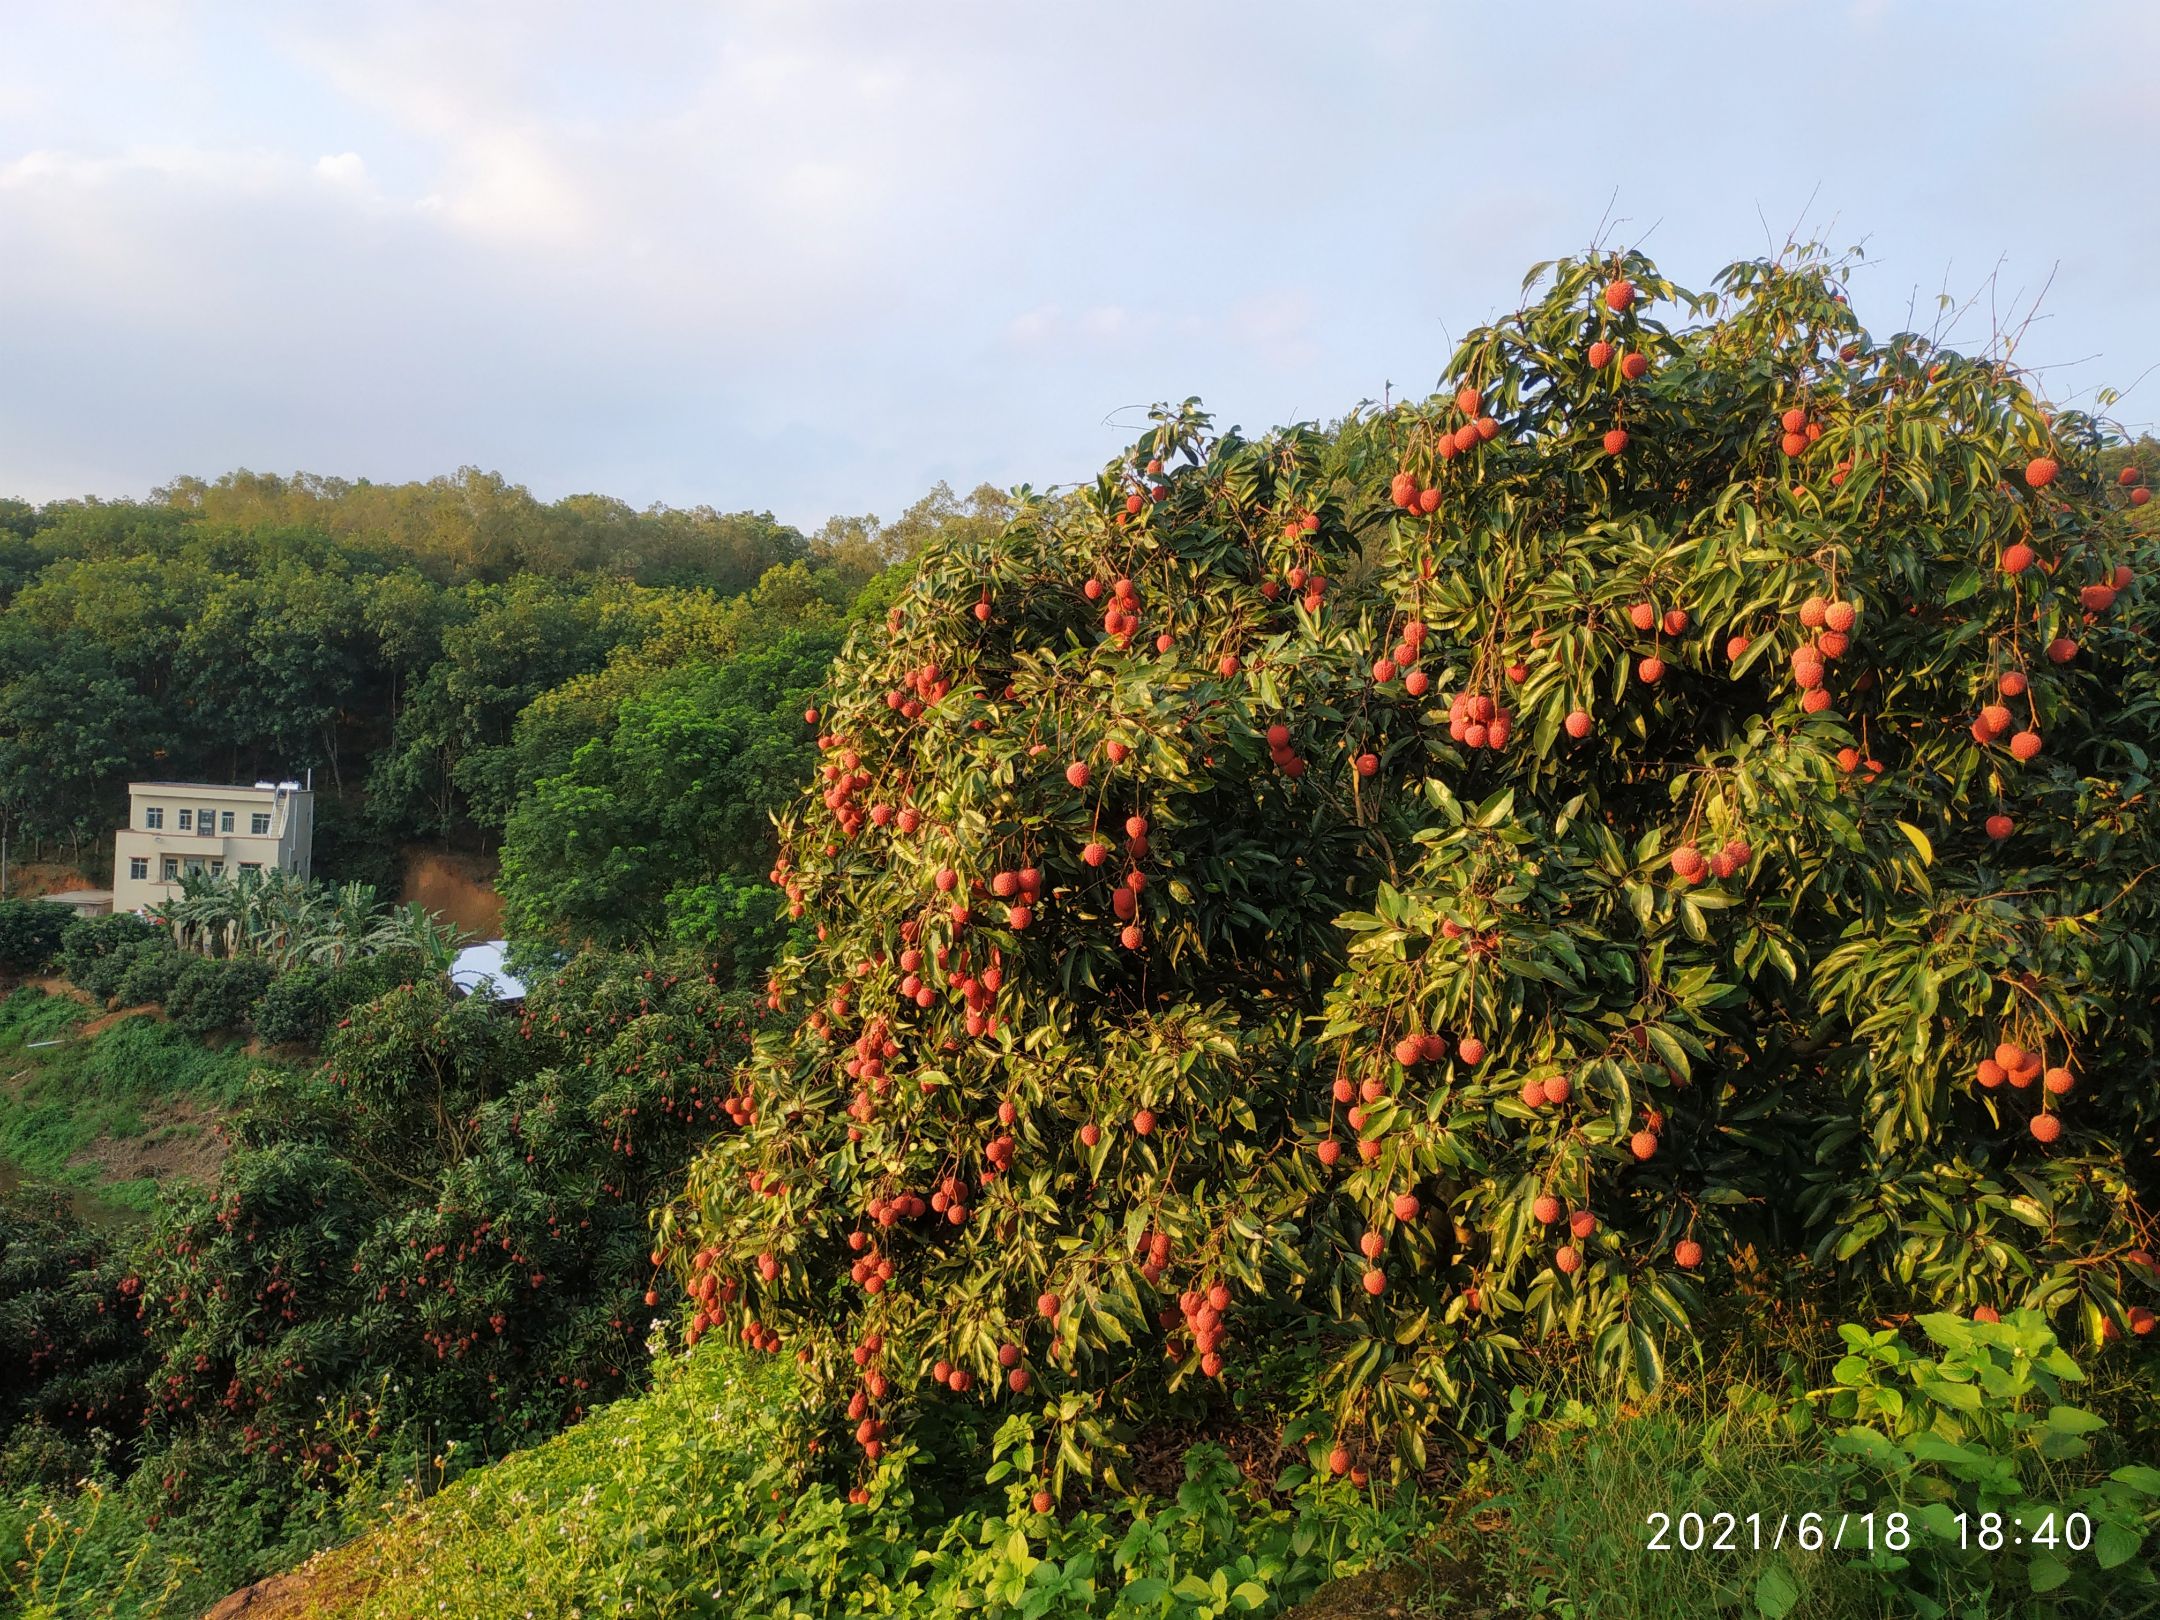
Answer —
57 1102
678 1503
1579 1503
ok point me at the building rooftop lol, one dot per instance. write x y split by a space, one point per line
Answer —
222 787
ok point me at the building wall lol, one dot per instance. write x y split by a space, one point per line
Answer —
163 852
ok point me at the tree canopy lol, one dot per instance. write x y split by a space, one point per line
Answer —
1507 870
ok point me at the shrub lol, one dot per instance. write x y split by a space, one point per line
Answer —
148 970
1444 885
438 1234
2008 1488
297 1007
210 994
89 948
30 933
301 1006
69 1337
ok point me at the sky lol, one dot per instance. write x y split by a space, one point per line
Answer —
813 257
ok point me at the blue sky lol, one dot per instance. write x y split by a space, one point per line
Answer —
815 257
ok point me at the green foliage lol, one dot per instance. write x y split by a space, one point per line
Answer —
380 635
148 971
438 1235
212 994
1217 933
30 933
1592 1504
299 1007
2012 1490
96 952
678 1503
285 921
73 1352
660 824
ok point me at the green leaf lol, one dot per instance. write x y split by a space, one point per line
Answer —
2046 1571
1775 1592
2115 1544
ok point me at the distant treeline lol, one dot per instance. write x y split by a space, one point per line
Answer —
437 653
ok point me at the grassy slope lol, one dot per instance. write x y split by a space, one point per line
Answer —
111 1113
667 1504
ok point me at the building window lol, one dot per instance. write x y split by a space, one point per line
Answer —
251 866
259 823
217 868
138 868
206 819
154 817
194 866
224 821
172 869
187 821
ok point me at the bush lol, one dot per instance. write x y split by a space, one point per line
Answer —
1448 885
437 1235
89 948
210 994
30 933
148 971
297 1007
71 1341
2010 1489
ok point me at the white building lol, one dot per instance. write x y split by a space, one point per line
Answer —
175 828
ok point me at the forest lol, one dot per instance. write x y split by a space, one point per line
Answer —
455 664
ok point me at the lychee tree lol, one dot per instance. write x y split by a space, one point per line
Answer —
1442 886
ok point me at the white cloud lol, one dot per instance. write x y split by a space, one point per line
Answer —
60 170
342 169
